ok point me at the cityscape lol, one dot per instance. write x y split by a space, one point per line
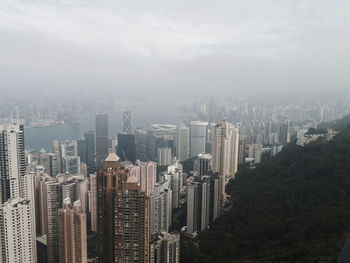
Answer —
135 197
187 131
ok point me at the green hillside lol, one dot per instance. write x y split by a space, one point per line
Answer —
292 208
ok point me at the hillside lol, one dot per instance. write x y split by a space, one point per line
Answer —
292 208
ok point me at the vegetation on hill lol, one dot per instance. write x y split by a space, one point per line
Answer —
291 208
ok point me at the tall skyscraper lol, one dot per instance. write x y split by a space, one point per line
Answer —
57 152
72 233
225 153
161 208
141 145
194 193
123 215
198 133
90 152
126 147
127 121
12 156
182 142
174 175
93 202
17 209
17 232
101 138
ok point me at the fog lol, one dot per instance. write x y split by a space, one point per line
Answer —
173 48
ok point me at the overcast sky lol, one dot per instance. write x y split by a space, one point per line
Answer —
171 47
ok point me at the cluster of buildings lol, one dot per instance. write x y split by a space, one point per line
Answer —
127 191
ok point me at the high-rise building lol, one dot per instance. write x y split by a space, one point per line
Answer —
93 202
17 232
141 145
72 233
12 156
123 215
182 142
225 153
55 191
70 159
126 147
194 193
161 208
146 175
202 164
163 156
198 133
40 213
127 121
57 152
283 133
17 209
165 248
101 138
174 175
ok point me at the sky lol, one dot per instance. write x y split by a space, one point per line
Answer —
174 48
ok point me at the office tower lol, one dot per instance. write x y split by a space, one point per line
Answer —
225 153
123 214
182 142
90 152
205 202
53 165
198 132
241 149
93 202
202 164
101 138
174 176
70 159
163 156
72 233
141 145
12 156
161 208
84 186
57 152
151 146
194 192
146 175
126 147
127 121
17 232
165 248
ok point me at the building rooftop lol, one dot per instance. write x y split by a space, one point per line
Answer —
112 157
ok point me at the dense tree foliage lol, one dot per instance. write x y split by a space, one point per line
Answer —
291 208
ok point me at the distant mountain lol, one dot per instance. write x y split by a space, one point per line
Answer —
292 208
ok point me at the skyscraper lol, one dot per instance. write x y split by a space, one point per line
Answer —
17 232
198 133
90 152
12 156
194 193
70 159
161 208
163 156
126 147
141 145
174 175
127 121
182 142
72 233
202 164
93 202
225 153
146 175
101 138
123 214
